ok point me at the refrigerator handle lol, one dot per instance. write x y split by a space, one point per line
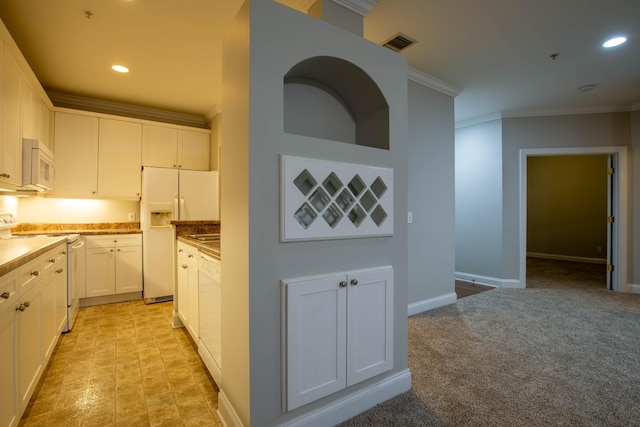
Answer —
183 212
175 208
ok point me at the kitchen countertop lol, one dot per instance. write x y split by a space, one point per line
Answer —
16 252
209 248
84 232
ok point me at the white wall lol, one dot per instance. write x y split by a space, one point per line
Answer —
266 41
634 205
488 183
478 201
69 211
585 130
431 194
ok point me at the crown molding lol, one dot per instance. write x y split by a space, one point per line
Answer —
478 120
431 82
115 108
361 7
299 5
569 111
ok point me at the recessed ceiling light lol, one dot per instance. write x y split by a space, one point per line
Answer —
120 68
616 41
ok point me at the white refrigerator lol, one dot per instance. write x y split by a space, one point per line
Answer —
170 194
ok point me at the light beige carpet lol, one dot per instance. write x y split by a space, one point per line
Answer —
529 357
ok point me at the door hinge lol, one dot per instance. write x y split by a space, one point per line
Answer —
610 171
610 267
610 219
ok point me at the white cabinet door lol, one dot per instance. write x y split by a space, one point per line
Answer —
9 405
316 339
194 319
193 150
29 343
339 332
100 272
119 159
369 324
182 298
159 146
10 121
60 283
128 266
48 325
76 155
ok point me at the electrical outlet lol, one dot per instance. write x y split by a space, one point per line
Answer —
409 217
132 216
599 249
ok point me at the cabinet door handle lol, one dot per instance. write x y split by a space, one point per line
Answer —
354 282
5 175
35 273
23 306
185 266
343 284
190 255
52 260
59 270
5 295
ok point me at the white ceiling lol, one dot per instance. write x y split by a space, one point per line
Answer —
497 52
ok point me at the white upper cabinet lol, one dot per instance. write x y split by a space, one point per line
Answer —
193 150
159 146
10 125
119 159
76 155
169 147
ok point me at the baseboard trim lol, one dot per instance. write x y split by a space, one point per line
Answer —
634 289
489 281
226 412
431 303
110 299
567 258
354 404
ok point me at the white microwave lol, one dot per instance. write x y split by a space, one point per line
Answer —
38 169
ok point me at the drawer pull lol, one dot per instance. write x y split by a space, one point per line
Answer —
23 306
35 273
354 282
185 266
343 284
5 295
60 270
52 260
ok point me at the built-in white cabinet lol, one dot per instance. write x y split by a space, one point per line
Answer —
97 157
76 155
187 295
338 330
170 147
37 118
10 120
9 400
113 264
31 303
119 159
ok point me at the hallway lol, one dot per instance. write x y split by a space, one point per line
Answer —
124 365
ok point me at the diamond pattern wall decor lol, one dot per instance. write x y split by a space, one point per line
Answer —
334 200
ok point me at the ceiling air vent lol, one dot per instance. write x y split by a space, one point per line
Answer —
399 42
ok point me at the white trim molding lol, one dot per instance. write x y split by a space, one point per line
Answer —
567 258
349 406
634 289
431 303
361 7
489 281
431 82
227 414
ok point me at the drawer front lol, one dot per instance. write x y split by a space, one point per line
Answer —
32 272
187 252
113 240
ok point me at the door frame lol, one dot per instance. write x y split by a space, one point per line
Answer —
619 193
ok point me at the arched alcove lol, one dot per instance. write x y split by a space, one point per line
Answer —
330 98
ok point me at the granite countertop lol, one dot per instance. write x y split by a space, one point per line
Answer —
17 252
209 248
84 232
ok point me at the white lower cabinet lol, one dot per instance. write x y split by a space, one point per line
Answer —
187 298
338 330
9 402
113 264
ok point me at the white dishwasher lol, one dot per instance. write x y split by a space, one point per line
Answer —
209 306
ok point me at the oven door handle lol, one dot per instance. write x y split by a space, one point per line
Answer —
77 245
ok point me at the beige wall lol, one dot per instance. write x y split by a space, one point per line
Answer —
567 206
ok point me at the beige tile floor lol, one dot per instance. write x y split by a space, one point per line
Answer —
124 365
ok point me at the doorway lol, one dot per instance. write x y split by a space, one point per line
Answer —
618 201
567 198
